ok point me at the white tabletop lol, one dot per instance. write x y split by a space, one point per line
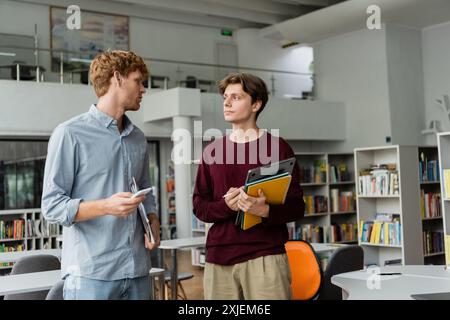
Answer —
183 243
417 279
156 271
29 282
325 247
16 255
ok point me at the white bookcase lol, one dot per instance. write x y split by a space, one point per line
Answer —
444 161
405 205
328 217
432 225
198 228
37 233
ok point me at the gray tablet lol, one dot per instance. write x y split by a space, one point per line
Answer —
284 166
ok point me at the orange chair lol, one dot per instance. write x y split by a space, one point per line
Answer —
305 268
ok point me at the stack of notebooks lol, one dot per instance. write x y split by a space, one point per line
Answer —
275 189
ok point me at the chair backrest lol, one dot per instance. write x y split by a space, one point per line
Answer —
305 268
191 82
24 71
56 292
35 263
84 77
344 259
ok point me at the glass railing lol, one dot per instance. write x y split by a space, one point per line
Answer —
73 67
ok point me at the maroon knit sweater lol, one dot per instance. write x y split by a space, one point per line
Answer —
227 244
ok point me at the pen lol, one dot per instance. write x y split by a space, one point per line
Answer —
229 193
390 274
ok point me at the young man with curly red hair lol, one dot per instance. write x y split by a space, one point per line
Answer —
91 162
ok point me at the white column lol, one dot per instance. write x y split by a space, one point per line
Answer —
183 181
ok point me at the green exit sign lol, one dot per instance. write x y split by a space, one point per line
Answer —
226 32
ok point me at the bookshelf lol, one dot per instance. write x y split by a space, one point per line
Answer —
328 184
170 202
388 205
30 231
198 228
430 205
444 161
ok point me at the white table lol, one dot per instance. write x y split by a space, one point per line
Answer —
16 255
415 279
37 281
29 282
173 246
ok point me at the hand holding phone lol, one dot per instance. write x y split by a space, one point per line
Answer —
142 192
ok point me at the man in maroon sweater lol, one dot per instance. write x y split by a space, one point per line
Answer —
252 263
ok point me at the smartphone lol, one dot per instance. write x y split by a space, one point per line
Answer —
141 192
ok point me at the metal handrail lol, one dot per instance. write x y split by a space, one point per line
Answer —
168 61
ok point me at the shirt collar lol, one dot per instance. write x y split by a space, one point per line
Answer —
107 120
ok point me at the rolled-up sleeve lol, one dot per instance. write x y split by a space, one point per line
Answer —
60 167
144 182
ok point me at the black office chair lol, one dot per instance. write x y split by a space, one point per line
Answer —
36 263
191 82
24 71
154 255
344 259
84 77
56 292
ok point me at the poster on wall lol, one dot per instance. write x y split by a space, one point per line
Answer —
98 32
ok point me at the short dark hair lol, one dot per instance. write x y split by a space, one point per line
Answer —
252 85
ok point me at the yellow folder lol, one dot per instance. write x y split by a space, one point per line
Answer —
275 189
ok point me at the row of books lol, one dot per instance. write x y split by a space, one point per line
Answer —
430 205
315 204
381 232
198 256
432 241
327 234
5 248
339 173
380 180
199 225
13 229
428 169
343 201
316 173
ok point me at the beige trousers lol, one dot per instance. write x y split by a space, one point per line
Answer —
263 278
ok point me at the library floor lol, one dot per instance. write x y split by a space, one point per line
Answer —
193 287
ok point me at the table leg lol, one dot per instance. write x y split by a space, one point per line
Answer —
174 276
162 286
152 288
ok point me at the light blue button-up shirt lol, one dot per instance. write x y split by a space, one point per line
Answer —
89 159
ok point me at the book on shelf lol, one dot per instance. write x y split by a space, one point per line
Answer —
6 248
385 229
428 169
339 173
433 241
327 234
315 173
13 229
430 204
343 201
378 180
315 204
